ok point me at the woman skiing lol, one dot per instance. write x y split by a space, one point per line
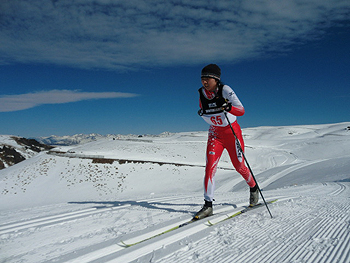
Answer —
216 100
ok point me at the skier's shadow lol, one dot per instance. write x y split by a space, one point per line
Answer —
144 204
169 207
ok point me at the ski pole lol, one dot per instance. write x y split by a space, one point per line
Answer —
245 159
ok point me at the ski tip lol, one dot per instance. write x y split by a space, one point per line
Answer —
122 244
209 223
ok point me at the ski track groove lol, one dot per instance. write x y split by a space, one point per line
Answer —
64 217
338 251
347 254
191 255
323 235
328 229
154 245
56 219
280 249
158 244
303 230
330 255
285 172
20 223
334 235
298 248
341 189
290 230
252 255
229 185
159 231
311 254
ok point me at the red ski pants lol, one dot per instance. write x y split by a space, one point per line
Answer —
220 138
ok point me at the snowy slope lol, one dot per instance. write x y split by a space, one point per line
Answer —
14 149
77 203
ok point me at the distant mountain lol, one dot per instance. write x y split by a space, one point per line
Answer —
15 149
73 139
85 138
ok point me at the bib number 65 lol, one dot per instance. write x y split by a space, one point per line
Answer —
216 120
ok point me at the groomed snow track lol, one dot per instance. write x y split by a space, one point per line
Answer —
308 232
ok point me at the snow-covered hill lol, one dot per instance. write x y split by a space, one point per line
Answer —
77 203
85 138
15 149
72 140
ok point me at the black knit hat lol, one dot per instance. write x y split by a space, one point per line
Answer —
211 71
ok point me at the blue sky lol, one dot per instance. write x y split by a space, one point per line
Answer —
120 67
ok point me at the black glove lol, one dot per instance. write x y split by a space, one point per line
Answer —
200 112
227 107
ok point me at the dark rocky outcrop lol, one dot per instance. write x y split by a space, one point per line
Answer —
10 155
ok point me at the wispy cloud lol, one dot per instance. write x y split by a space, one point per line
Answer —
116 34
26 101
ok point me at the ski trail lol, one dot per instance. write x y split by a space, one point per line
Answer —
112 249
238 179
145 250
118 253
59 218
285 172
158 231
12 225
341 188
176 237
98 254
315 232
307 231
51 220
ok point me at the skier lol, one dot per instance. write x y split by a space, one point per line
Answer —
215 98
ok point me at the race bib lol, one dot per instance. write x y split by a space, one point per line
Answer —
219 119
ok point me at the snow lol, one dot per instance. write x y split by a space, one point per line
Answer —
78 202
10 141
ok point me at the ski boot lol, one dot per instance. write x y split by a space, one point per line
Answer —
207 210
254 196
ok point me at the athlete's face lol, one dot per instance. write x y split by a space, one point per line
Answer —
209 84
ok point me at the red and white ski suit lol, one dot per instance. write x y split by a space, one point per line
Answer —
220 137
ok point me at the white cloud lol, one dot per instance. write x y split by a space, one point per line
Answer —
26 101
118 34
